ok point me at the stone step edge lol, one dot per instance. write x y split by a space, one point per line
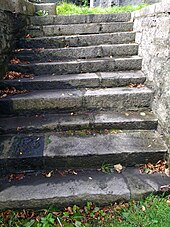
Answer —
40 151
83 18
82 99
34 50
80 66
100 80
77 35
78 121
70 189
71 53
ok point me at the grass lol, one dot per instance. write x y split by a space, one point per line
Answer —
70 8
150 212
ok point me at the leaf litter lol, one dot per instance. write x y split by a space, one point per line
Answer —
160 167
11 91
10 75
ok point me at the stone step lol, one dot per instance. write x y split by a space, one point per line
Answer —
79 19
78 187
73 99
50 151
78 121
74 29
72 53
79 66
70 81
77 40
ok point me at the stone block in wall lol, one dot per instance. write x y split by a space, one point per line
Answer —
152 25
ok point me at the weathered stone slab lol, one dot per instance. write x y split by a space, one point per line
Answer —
109 98
117 98
79 66
71 53
61 150
80 19
62 191
78 40
77 121
73 29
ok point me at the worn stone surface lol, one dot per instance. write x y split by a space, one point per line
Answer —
83 80
78 40
78 121
71 53
79 66
40 151
73 29
80 19
36 191
152 25
117 98
62 191
73 99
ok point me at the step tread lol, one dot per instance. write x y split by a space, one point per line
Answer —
76 61
39 151
77 35
41 50
83 18
89 120
77 40
37 191
53 94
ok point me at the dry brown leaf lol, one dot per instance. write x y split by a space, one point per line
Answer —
28 36
11 91
10 75
167 172
136 85
48 174
118 168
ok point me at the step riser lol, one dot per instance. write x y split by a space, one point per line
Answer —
129 99
86 82
74 53
52 30
41 164
79 19
58 127
77 41
79 67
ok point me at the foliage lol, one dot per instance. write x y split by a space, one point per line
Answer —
151 212
42 13
70 8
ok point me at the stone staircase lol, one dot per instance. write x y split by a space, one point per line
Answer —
87 105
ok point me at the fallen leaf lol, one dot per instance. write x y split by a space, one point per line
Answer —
15 75
167 172
28 36
11 91
136 85
16 177
118 168
48 174
165 188
143 114
143 208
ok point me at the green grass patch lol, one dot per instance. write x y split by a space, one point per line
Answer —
150 212
70 8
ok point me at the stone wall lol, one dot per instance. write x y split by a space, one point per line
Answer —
10 29
12 22
152 25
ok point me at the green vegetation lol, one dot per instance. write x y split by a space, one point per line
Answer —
70 8
42 13
150 212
